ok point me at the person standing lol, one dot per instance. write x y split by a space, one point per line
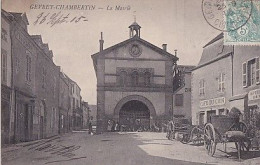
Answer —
90 128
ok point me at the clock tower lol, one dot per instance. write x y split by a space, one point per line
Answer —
134 30
134 84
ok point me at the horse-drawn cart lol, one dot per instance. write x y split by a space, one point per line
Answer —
223 129
220 129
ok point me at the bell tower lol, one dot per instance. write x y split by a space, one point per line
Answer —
134 30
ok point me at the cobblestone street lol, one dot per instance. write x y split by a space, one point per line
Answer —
116 149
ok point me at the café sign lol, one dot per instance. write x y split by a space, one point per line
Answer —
212 102
254 94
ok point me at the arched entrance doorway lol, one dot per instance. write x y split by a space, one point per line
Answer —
134 115
144 105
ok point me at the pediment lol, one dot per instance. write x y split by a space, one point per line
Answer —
135 48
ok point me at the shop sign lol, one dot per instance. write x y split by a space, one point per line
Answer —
212 102
254 94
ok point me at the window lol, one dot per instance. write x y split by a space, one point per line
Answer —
28 68
221 111
257 70
179 100
4 34
251 72
147 78
244 74
4 66
44 74
17 64
221 82
202 87
134 78
123 78
73 103
62 122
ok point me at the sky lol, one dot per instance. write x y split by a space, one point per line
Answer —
178 23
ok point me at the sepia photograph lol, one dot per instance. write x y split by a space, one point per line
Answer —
130 82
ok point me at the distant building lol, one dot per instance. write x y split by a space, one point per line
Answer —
7 117
182 91
75 99
93 114
226 77
85 114
64 103
134 83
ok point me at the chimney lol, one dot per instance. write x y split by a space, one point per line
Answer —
175 52
101 42
164 47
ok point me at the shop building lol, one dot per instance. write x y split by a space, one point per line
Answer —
212 81
226 77
246 82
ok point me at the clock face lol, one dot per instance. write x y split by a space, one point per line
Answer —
135 50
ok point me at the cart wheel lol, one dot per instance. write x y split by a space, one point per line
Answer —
185 138
210 139
246 144
196 135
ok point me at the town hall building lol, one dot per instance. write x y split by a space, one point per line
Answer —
134 83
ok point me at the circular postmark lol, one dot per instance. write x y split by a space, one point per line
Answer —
227 15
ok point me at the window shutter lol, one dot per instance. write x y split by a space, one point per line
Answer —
257 70
244 74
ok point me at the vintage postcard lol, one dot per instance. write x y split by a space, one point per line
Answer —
130 82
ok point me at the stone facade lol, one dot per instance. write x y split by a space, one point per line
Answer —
7 124
47 91
30 85
133 70
24 70
182 92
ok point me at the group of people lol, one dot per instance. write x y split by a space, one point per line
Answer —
113 126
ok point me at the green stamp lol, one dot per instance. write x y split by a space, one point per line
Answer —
244 14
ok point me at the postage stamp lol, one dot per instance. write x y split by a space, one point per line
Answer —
239 31
226 15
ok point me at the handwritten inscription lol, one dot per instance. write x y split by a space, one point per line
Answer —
58 18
